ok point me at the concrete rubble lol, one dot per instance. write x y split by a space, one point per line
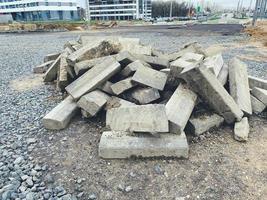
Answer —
151 100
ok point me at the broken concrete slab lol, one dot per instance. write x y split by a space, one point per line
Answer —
223 75
156 62
260 94
150 77
40 69
93 102
125 58
241 130
257 105
204 122
239 87
52 56
93 78
257 82
120 145
192 57
62 78
205 83
122 86
51 73
180 107
132 67
214 63
139 118
106 87
60 116
145 95
116 102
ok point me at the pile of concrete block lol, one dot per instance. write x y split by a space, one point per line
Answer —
151 100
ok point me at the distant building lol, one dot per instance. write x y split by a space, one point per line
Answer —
39 10
120 9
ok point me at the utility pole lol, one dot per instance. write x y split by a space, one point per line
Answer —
171 10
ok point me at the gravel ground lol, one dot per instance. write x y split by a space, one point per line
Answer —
40 164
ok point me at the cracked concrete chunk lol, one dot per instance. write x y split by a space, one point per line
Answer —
241 130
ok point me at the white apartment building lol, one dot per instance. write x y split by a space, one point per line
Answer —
39 10
119 9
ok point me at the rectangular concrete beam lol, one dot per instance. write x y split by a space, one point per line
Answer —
145 95
93 78
179 65
125 58
132 67
179 108
93 102
192 57
40 69
60 116
205 84
257 105
150 77
257 82
239 87
214 63
224 74
116 102
122 86
241 130
156 62
121 145
260 94
51 73
52 56
143 118
62 78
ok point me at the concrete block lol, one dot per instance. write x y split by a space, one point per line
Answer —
120 145
62 78
239 87
223 75
40 69
150 77
179 65
204 122
116 102
52 56
60 116
260 94
179 108
156 62
132 67
93 78
241 130
257 105
143 118
85 114
93 102
51 73
214 63
205 83
125 58
145 95
106 87
122 86
136 48
192 57
257 82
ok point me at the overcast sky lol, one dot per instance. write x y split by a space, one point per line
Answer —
221 3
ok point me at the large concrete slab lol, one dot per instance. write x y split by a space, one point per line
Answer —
93 78
40 69
51 73
204 122
120 145
260 94
214 63
205 83
179 108
60 116
145 95
239 87
156 62
257 82
122 86
150 77
93 102
257 105
116 102
132 67
143 118
52 56
224 74
241 130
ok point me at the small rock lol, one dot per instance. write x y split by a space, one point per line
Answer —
92 196
128 189
29 182
31 141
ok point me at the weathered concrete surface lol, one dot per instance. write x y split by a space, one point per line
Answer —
260 94
145 95
214 63
239 87
125 58
122 86
205 83
93 102
150 77
156 62
40 69
52 56
241 130
60 116
203 123
257 82
93 78
257 105
179 108
85 114
116 102
136 48
179 65
62 77
51 73
119 145
142 118
132 67
223 75
106 87
192 57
